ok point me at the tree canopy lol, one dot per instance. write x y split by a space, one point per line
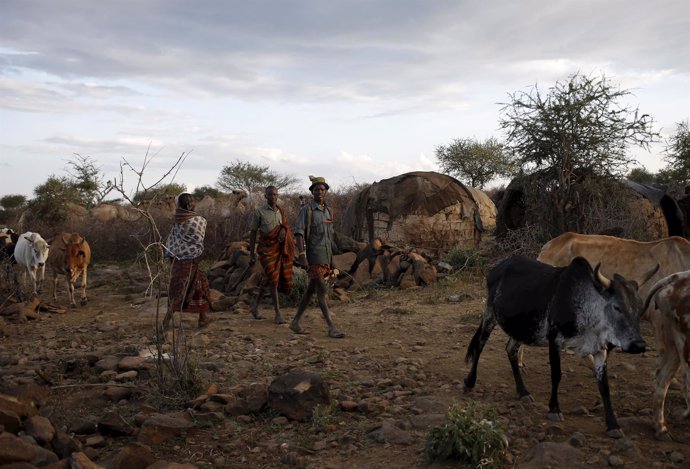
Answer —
252 178
51 200
88 180
581 123
580 127
473 162
678 154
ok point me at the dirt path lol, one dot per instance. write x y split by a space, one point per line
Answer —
402 361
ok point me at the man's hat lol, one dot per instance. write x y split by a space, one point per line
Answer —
317 180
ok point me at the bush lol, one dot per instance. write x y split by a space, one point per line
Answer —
300 282
472 434
466 259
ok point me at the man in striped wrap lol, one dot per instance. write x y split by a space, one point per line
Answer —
276 250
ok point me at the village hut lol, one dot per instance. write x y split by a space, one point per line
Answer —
618 207
426 210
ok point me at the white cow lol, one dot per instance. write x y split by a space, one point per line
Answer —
31 252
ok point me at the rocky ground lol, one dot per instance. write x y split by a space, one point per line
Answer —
396 373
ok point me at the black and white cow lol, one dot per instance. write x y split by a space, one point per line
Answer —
573 306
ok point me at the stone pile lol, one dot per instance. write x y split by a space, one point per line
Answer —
124 440
235 281
30 440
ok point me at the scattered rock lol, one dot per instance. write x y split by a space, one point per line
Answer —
160 427
388 432
548 454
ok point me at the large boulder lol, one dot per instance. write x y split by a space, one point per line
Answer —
296 395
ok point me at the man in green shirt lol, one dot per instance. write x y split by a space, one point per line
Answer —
314 238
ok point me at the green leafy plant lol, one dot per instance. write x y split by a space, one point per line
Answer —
471 434
467 259
323 415
300 281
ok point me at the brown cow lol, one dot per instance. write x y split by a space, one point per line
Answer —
671 321
626 257
70 255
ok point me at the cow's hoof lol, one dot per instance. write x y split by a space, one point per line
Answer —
527 398
467 389
83 302
73 305
615 433
663 436
555 416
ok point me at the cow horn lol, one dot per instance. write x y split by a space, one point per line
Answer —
597 273
649 274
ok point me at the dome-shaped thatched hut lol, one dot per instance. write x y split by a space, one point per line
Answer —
619 207
421 209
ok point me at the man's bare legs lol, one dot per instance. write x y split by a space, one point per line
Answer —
254 308
278 319
318 286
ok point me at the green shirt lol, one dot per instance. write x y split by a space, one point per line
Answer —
265 219
319 245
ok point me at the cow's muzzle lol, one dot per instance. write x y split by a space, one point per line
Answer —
636 346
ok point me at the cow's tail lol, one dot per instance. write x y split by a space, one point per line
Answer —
480 337
473 348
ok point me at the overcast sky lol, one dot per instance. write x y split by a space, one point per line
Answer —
355 91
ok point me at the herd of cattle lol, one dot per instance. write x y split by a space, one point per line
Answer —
584 292
67 254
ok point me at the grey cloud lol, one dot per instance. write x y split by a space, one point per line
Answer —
312 50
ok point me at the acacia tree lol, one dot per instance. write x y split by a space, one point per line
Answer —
580 127
642 176
474 162
159 192
51 200
10 207
251 178
678 154
88 180
202 191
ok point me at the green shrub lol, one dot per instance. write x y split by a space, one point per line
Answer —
471 434
300 282
466 259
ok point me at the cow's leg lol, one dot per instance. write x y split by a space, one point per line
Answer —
513 350
40 276
19 281
555 365
477 345
70 290
686 387
669 361
612 428
32 274
84 299
55 282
